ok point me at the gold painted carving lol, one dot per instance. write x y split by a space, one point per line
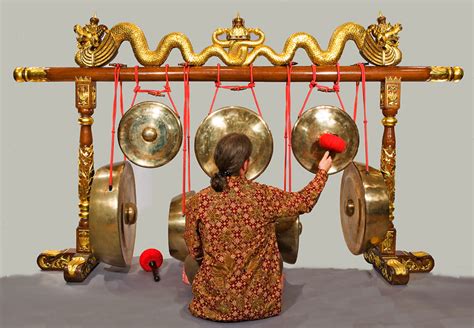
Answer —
86 173
391 93
444 74
54 260
389 267
387 167
417 261
74 263
30 74
97 45
388 244
83 241
85 120
80 267
85 93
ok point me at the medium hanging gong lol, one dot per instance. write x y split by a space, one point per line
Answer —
239 120
113 215
150 134
364 207
288 230
312 125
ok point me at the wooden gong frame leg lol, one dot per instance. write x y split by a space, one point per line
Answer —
395 266
77 263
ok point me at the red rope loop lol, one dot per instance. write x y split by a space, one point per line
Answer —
157 93
250 85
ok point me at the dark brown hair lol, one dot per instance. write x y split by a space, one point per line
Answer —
230 154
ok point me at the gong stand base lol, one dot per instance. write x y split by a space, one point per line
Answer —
396 268
75 266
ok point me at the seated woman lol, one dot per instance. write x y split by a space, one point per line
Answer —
230 230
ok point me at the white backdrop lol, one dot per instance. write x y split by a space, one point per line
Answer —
39 130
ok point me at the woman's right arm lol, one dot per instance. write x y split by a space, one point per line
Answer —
278 203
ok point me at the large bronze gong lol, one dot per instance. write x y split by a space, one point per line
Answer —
150 134
176 224
288 230
113 215
234 119
364 207
314 123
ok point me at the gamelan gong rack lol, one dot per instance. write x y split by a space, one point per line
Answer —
98 45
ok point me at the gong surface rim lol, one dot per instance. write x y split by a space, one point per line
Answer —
364 208
176 225
112 238
150 134
224 121
311 125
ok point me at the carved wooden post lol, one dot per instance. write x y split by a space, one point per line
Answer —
395 266
389 103
83 261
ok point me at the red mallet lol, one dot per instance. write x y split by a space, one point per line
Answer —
150 260
332 142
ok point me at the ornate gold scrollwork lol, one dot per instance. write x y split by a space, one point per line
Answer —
391 269
79 267
86 174
388 244
54 260
444 73
387 167
85 93
417 261
97 45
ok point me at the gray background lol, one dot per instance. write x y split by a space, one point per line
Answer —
39 130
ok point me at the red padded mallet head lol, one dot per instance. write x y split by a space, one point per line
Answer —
150 260
332 142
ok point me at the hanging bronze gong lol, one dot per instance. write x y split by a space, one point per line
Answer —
288 230
316 122
150 134
113 215
364 207
239 120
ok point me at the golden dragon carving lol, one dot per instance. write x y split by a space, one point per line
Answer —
98 45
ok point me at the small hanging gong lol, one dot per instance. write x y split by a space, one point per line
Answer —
364 207
312 125
239 120
113 215
288 230
150 134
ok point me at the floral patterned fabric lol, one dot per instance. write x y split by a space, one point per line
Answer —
234 232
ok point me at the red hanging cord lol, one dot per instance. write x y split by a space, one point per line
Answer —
250 85
114 116
337 88
312 84
287 135
356 100
186 139
366 138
